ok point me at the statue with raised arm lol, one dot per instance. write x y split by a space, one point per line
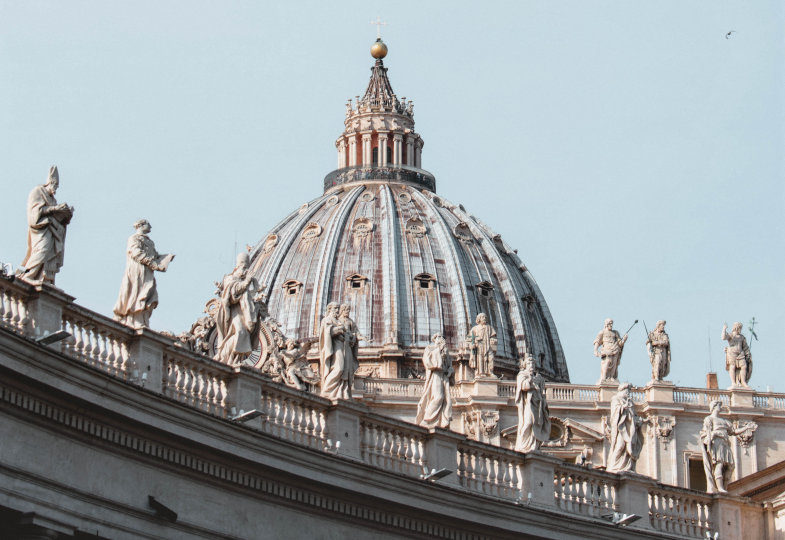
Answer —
612 345
534 420
658 346
238 313
46 224
625 436
332 355
738 359
718 463
482 346
138 294
435 406
297 371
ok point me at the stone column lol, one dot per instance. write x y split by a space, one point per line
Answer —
367 154
397 147
382 149
341 154
418 153
410 150
352 151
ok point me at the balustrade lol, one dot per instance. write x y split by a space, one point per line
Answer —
97 341
294 416
393 447
195 381
489 470
579 490
680 512
14 313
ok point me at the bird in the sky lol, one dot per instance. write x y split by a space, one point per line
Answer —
727 36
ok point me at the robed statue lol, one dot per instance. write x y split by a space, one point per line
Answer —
658 345
46 224
718 463
435 406
534 420
625 432
138 293
482 346
238 314
337 353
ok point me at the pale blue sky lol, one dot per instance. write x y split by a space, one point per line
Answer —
631 153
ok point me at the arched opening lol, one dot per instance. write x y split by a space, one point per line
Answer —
375 157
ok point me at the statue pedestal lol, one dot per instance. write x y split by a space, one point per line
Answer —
607 389
741 396
659 391
485 386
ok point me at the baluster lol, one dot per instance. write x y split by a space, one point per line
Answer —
24 322
111 355
182 381
461 468
16 318
4 308
125 358
101 354
469 478
78 340
212 384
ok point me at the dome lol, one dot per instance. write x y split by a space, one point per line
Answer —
407 262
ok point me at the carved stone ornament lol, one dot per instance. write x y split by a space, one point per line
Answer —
480 425
497 241
361 231
309 236
746 432
367 196
303 209
270 243
404 197
332 201
416 228
463 233
437 202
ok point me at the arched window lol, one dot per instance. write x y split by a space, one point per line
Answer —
485 289
356 282
376 155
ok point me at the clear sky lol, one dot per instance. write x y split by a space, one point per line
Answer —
632 153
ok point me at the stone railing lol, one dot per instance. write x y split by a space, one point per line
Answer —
571 392
389 173
698 396
680 512
351 430
580 490
14 297
393 387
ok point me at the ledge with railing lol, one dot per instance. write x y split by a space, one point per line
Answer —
388 173
351 430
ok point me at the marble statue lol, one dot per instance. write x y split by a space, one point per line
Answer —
297 371
612 345
138 294
238 313
738 359
625 433
336 355
351 342
534 420
435 406
46 221
718 463
658 346
482 346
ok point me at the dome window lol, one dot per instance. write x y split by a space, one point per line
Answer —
356 281
424 281
485 288
292 287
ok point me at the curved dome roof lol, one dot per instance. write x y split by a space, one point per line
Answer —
407 262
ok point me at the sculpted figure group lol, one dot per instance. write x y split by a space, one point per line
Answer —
338 343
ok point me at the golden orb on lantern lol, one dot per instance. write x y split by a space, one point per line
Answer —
379 49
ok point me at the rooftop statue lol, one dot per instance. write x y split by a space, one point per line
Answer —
482 347
297 371
435 406
625 436
534 420
138 294
238 313
337 352
658 346
612 345
738 359
46 221
718 462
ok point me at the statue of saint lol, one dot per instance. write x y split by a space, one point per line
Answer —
46 221
351 343
612 345
333 347
658 346
482 346
297 370
138 294
238 313
435 406
738 359
626 443
715 436
534 420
